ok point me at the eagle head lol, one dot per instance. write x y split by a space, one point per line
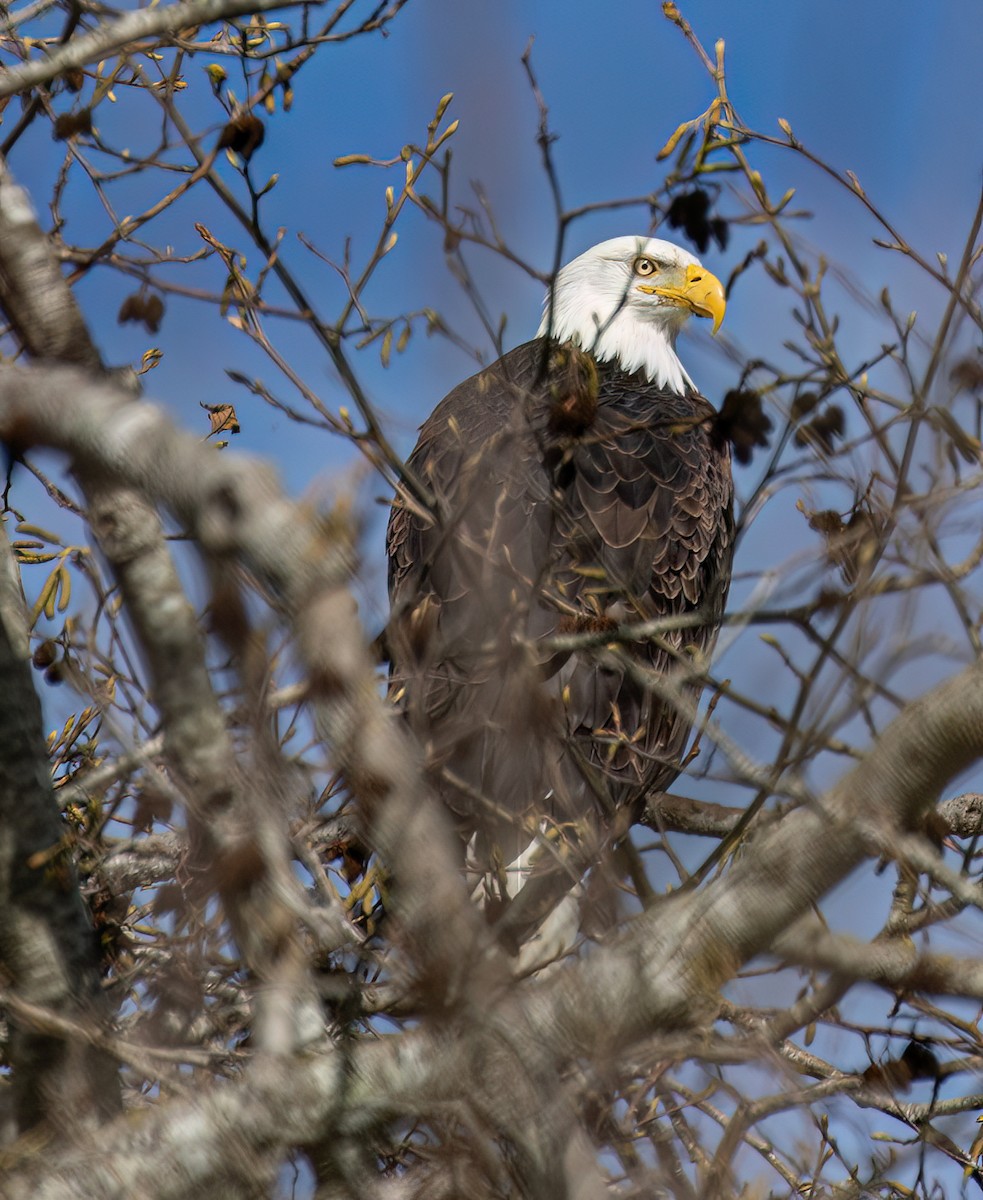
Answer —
625 301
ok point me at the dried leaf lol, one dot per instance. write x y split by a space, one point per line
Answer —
823 430
45 654
222 418
69 125
691 212
139 306
151 358
743 422
967 373
243 135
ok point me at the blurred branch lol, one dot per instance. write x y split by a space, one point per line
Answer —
342 1000
232 826
47 944
32 294
679 952
236 510
892 963
662 974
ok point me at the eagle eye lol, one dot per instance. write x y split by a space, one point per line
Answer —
644 266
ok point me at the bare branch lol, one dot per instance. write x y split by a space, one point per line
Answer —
114 35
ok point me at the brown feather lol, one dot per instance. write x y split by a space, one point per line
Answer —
569 496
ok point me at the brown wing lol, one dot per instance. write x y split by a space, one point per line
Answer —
565 502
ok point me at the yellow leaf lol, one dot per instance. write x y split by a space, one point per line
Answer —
33 558
52 594
38 531
151 358
784 200
65 581
673 142
46 599
442 104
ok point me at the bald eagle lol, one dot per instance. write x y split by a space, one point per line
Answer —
575 487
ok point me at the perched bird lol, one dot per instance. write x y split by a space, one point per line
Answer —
576 487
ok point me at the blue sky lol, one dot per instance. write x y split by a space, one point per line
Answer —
888 90
883 89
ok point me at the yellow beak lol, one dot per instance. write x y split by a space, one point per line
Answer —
702 294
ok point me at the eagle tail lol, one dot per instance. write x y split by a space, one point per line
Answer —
533 902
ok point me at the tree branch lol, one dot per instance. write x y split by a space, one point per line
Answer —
114 35
47 943
894 963
663 974
237 837
236 510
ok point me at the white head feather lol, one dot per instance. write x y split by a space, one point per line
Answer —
597 305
